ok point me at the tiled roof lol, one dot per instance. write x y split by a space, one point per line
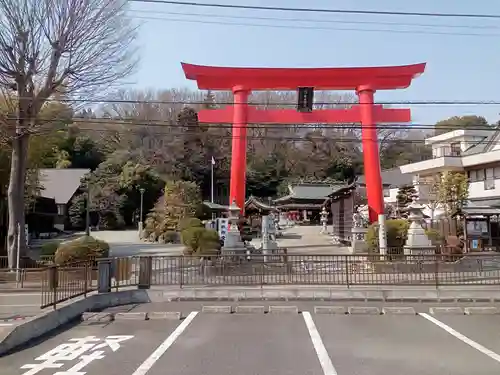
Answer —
391 178
310 191
60 184
485 145
253 201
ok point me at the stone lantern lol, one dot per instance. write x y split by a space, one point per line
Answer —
324 220
417 242
233 240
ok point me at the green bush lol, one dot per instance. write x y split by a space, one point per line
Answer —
435 236
168 237
397 232
200 240
49 249
190 237
83 248
209 243
190 222
245 230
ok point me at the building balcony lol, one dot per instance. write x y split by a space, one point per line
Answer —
434 165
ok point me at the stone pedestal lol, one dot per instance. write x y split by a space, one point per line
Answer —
358 242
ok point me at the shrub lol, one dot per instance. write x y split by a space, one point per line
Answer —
245 230
168 237
435 236
190 222
209 243
397 232
83 248
49 249
191 237
201 241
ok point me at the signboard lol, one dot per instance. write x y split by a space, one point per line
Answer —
223 227
305 99
83 351
475 244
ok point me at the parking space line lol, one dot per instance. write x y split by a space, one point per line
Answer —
319 347
461 337
160 350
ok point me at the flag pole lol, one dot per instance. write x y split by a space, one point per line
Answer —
212 184
212 180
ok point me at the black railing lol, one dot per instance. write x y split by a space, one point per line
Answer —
61 283
348 270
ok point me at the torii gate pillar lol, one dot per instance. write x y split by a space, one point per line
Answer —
371 156
239 147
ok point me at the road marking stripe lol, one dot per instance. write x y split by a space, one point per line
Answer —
461 337
319 347
160 350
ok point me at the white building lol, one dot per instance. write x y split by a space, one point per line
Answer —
392 180
475 152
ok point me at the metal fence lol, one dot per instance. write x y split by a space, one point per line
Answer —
28 263
348 270
60 283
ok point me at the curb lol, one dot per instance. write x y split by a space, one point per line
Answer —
482 311
363 310
14 319
130 316
216 309
330 310
399 311
413 295
164 315
20 290
283 310
446 310
250 310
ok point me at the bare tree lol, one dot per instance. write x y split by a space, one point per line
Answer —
78 47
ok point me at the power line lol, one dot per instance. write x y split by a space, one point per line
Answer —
217 103
135 122
300 27
137 128
317 20
281 139
321 10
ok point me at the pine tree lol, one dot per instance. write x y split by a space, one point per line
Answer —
405 196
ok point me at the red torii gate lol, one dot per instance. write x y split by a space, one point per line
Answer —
365 81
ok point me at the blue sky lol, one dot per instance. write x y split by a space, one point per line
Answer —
460 66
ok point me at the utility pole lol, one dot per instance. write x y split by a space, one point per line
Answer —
18 255
87 213
142 190
141 217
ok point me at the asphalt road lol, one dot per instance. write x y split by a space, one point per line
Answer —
21 304
268 344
